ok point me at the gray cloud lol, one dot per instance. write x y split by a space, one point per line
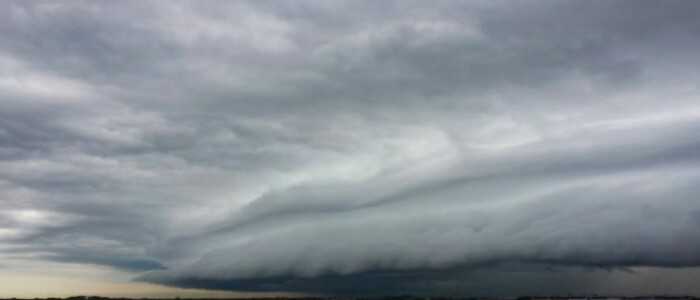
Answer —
354 147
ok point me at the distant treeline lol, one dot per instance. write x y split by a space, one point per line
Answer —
665 297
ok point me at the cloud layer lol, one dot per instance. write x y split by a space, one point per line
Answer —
353 147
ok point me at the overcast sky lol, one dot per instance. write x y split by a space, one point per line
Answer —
326 147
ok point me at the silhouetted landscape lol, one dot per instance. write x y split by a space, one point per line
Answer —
570 297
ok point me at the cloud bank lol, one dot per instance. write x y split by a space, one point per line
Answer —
354 147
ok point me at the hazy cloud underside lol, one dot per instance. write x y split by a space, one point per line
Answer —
354 147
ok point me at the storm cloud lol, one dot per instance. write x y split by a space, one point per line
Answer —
361 147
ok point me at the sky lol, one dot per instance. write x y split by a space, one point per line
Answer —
237 148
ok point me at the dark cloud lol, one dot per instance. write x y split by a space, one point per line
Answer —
363 147
129 264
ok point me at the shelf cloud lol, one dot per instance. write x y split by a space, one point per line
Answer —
360 147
